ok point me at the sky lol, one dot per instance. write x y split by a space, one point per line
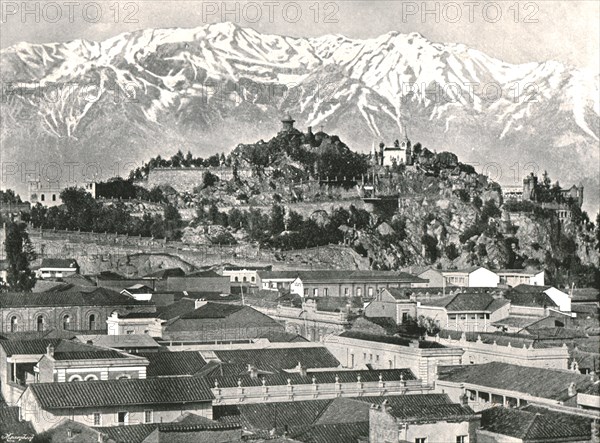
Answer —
514 31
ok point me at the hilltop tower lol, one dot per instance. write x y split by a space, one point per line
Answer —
287 123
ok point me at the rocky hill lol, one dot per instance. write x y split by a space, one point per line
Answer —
208 88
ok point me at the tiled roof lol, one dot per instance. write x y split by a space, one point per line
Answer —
333 433
120 341
401 341
176 309
530 298
537 382
518 271
270 275
89 355
282 358
207 273
128 434
586 294
536 424
321 377
40 346
95 297
358 276
122 392
465 302
164 364
344 410
517 321
10 423
213 310
399 294
59 263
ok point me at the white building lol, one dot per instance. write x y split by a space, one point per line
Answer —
48 193
57 268
474 277
515 277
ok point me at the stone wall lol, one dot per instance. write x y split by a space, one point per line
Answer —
186 179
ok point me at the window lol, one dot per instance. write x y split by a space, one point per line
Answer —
66 322
237 279
91 377
346 291
253 279
377 358
43 197
14 324
245 279
351 360
370 292
404 317
40 323
315 292
53 197
129 332
306 292
75 378
421 440
390 364
359 292
326 292
122 418
452 317
462 439
97 419
148 416
92 322
365 356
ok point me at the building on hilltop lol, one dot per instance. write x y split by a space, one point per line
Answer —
288 123
48 193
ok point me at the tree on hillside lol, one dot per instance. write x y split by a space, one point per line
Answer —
277 220
19 255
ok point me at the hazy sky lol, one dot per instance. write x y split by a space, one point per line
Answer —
567 31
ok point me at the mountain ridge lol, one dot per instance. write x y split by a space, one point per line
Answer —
261 76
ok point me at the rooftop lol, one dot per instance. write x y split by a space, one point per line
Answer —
80 297
537 382
395 340
281 358
40 346
164 364
61 263
111 393
467 302
536 424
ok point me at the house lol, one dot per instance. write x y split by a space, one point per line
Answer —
356 350
131 343
515 277
135 323
350 283
116 402
244 274
23 362
435 277
48 193
522 292
393 303
207 281
531 424
57 268
465 311
510 385
139 292
399 153
217 321
473 277
421 419
85 309
276 280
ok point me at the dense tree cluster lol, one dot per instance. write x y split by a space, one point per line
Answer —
19 255
80 211
283 229
177 161
125 189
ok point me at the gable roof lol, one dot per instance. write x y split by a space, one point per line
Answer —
466 302
110 393
391 339
333 433
163 364
166 272
60 263
530 295
213 310
79 297
537 382
40 346
536 424
281 358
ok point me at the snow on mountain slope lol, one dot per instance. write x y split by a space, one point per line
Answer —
184 84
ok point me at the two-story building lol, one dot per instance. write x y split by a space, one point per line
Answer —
392 303
515 277
465 311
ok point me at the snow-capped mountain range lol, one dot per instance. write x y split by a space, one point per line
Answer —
206 89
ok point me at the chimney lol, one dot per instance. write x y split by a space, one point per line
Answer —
253 371
463 399
199 302
384 405
572 390
301 369
50 351
310 130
